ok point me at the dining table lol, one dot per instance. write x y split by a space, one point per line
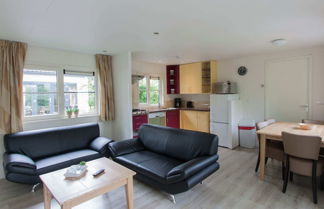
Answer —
274 132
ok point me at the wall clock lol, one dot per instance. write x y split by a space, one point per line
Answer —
242 70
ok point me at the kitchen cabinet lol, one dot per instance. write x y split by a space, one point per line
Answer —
203 121
138 120
173 118
194 120
172 79
197 78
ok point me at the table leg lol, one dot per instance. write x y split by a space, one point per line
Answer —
47 197
262 155
65 206
129 192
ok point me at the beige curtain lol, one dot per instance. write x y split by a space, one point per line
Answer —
107 105
12 58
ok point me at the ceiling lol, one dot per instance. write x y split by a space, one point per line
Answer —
191 29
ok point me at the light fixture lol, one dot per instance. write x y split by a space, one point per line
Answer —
156 33
279 42
104 51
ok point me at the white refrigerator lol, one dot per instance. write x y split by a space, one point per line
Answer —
225 114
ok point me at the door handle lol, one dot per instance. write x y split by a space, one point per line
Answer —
304 105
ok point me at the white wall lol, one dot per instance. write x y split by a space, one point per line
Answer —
251 92
121 127
122 74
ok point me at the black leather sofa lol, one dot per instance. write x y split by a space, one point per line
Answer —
32 153
172 160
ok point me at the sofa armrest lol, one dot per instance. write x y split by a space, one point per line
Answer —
18 160
125 147
99 144
191 167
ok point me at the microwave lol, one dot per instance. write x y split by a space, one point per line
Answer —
224 88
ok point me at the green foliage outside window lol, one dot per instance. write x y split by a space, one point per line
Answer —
154 91
142 91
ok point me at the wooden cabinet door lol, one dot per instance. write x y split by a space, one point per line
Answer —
189 120
138 120
173 118
203 121
190 78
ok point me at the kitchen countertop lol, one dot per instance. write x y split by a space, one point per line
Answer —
170 109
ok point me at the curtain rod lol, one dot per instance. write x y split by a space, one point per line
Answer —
81 72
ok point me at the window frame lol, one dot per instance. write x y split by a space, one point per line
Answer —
60 94
148 90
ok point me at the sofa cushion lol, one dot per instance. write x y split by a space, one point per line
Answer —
57 162
181 144
48 142
151 164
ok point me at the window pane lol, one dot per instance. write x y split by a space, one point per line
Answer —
154 91
40 97
79 92
85 102
40 104
142 90
79 83
154 97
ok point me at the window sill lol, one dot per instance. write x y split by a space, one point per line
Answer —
60 118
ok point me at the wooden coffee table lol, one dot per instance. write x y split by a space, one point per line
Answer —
70 193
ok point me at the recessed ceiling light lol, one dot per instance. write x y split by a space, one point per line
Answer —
104 51
279 42
156 33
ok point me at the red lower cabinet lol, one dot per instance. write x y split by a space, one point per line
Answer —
138 120
173 118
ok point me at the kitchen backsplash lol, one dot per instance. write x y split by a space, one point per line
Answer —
199 100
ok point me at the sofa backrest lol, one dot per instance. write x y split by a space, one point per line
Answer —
47 142
181 144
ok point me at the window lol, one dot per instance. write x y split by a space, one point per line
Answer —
40 92
154 90
50 93
149 90
142 90
79 92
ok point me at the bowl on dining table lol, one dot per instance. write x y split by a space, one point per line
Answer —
304 126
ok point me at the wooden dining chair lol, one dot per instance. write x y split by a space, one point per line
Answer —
316 122
274 149
302 157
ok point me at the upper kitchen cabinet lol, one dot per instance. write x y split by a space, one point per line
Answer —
197 78
172 79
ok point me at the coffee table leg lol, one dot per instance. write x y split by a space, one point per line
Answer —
47 197
129 192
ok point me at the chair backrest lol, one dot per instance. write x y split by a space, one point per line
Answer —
261 125
317 122
301 146
271 121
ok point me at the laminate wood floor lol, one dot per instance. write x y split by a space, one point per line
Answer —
234 185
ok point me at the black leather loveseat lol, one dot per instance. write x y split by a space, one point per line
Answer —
32 153
172 160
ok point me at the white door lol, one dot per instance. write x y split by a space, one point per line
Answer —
286 89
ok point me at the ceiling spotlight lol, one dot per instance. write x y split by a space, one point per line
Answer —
279 42
156 33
